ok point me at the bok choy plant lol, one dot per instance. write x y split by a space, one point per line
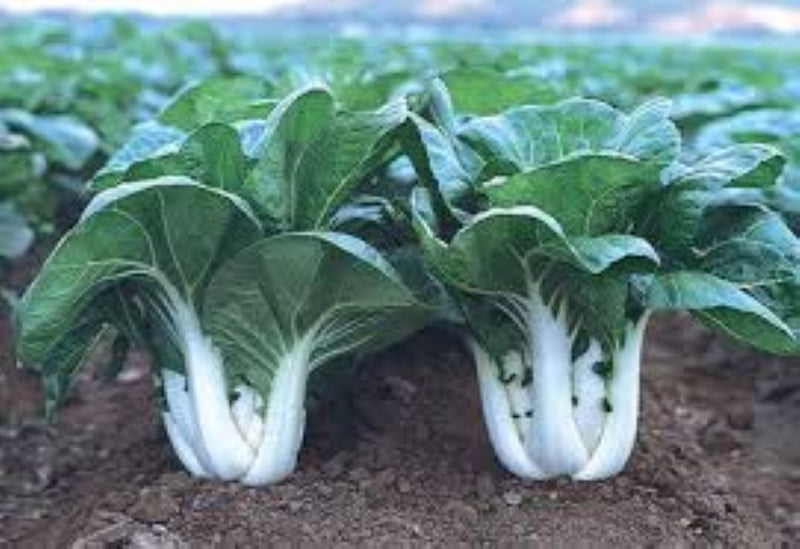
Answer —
238 290
560 245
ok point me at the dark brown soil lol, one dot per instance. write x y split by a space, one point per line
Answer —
402 459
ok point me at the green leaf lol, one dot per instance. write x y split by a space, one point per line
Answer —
60 365
443 165
524 138
734 176
483 91
218 99
745 165
64 139
210 155
371 90
19 164
509 253
723 305
270 300
66 354
761 125
311 158
16 236
147 140
755 249
726 98
505 250
165 232
290 130
590 195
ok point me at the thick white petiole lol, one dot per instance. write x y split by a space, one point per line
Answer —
284 421
183 449
555 444
619 432
503 433
243 408
227 450
247 413
181 423
589 389
519 397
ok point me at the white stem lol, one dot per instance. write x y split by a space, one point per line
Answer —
178 403
227 450
247 414
590 390
619 433
285 418
182 420
519 398
555 443
183 449
503 433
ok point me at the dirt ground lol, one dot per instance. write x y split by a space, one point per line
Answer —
402 460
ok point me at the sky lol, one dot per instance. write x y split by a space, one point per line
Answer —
675 17
155 7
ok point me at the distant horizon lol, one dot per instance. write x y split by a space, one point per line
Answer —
152 7
681 18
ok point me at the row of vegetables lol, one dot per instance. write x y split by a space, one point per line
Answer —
248 242
71 90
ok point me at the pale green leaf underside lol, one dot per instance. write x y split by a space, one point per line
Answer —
329 292
146 141
167 231
16 235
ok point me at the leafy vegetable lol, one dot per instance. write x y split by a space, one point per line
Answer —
237 315
587 225
301 199
15 234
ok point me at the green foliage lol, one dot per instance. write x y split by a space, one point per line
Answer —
263 206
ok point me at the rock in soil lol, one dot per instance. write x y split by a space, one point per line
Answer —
461 510
155 505
512 498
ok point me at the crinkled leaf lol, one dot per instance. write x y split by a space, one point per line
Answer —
738 175
755 249
524 138
742 165
587 195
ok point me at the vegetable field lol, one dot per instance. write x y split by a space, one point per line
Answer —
315 288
